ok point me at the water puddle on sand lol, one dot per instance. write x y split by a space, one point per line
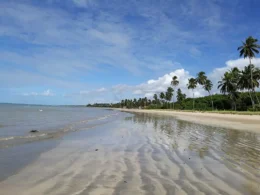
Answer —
146 154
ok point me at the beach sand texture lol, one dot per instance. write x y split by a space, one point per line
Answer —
145 154
230 121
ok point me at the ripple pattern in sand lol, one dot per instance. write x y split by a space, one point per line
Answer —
146 154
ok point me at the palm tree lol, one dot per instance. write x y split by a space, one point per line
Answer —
208 86
192 85
122 103
256 76
227 85
174 83
145 101
162 96
169 93
135 102
249 80
201 78
248 50
155 97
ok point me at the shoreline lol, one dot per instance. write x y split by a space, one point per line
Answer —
249 123
132 155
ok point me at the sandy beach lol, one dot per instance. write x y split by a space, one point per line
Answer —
231 121
145 154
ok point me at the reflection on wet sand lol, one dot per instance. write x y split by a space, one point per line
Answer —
146 154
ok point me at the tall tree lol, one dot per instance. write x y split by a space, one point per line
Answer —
135 103
174 83
228 85
248 50
122 103
249 80
169 94
162 96
180 96
155 97
145 101
208 86
192 84
201 78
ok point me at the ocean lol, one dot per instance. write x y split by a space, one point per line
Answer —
18 146
16 121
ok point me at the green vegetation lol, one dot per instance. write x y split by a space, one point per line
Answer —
221 102
237 88
102 105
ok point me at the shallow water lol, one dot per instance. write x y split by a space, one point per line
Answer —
145 154
16 121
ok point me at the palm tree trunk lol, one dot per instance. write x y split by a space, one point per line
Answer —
234 101
211 101
253 103
252 88
173 99
193 99
234 106
256 96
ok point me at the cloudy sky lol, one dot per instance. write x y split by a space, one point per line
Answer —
85 51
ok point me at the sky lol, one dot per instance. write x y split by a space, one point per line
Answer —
85 51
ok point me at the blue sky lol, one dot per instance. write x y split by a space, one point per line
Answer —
85 51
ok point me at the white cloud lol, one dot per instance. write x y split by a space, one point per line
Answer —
149 88
84 92
101 89
87 93
106 38
240 63
45 93
160 84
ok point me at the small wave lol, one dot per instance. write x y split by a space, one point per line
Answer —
6 138
22 137
68 128
33 136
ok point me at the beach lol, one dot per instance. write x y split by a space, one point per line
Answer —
146 152
230 121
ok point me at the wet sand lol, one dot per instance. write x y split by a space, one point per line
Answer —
145 154
230 121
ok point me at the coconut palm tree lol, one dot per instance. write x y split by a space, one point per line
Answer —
162 96
169 94
192 84
257 78
249 80
227 85
174 83
201 78
208 86
236 73
145 101
155 97
248 50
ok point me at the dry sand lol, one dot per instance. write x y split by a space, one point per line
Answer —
230 121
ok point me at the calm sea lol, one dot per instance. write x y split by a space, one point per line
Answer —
16 121
19 147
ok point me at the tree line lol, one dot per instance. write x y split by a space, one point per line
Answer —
238 89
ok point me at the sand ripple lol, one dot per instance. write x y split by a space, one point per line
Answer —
145 154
